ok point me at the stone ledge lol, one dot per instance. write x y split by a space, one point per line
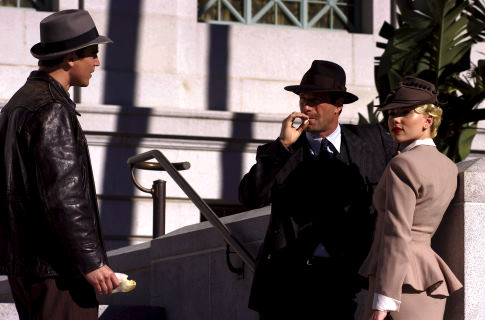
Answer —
472 178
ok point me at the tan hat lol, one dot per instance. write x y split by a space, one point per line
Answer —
64 32
410 92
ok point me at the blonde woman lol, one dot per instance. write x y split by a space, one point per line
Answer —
408 280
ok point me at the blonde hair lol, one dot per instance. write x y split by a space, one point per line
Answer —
434 111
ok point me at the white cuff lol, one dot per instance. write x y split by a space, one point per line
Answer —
383 303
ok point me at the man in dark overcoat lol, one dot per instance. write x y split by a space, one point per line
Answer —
51 245
319 177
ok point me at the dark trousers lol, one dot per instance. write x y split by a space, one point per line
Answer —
320 290
54 298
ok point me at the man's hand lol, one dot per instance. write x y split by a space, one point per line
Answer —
288 134
103 280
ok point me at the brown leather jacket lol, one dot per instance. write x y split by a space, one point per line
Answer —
49 219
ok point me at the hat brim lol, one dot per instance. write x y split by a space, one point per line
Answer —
38 50
297 89
399 105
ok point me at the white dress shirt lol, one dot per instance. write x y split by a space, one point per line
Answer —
334 138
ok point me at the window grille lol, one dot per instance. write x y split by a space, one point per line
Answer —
41 5
306 14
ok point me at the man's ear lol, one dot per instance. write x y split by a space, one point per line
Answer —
70 58
339 102
339 109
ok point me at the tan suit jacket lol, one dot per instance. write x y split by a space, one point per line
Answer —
411 198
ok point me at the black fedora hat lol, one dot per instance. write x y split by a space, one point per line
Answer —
410 92
64 32
324 76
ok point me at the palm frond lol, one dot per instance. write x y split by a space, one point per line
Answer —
434 41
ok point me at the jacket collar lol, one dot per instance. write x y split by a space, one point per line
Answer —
415 143
353 147
44 76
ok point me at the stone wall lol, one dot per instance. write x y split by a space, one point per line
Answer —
163 57
460 241
186 272
203 93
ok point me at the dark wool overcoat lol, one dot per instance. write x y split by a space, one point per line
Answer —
327 201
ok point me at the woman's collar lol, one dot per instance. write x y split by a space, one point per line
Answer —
415 143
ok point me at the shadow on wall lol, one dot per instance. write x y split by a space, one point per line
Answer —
218 88
120 84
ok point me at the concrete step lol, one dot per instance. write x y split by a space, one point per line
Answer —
8 312
131 312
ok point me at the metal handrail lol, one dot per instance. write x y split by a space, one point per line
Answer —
158 192
197 200
153 166
158 167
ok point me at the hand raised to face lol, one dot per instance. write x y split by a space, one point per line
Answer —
290 134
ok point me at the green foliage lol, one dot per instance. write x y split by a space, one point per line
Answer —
372 115
433 41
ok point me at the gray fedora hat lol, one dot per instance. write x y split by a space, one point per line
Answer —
410 92
64 32
324 76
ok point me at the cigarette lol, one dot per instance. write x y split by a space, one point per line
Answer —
305 121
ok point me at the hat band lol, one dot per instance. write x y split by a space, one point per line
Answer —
71 43
429 100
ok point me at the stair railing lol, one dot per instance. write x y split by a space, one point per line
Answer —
158 192
207 212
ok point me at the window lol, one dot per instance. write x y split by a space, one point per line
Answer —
315 14
41 5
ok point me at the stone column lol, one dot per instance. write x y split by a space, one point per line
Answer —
460 241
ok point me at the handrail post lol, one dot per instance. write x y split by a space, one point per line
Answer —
159 196
158 192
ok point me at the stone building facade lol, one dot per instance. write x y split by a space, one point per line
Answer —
207 93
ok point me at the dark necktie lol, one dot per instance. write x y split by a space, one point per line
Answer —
325 154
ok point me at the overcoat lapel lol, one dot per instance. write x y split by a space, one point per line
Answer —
299 151
352 151
352 148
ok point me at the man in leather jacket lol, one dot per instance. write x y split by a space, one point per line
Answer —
51 245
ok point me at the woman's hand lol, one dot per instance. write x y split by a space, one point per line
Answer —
378 315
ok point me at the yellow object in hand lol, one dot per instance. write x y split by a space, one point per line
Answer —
125 284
